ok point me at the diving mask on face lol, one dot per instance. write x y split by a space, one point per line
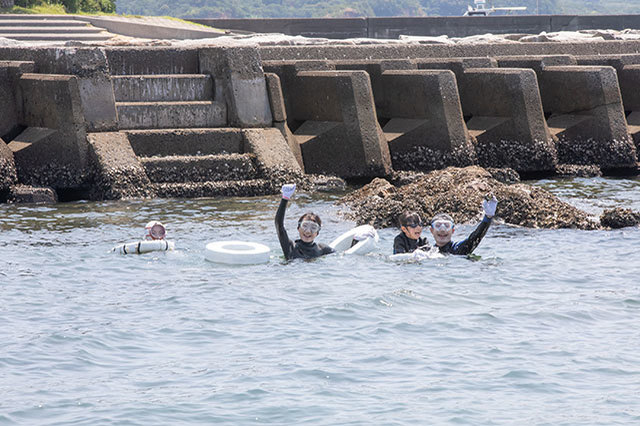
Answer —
442 225
309 226
155 230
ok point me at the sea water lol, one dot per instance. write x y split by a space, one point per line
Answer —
540 327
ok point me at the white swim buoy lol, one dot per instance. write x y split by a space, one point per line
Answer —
344 242
237 252
145 246
417 255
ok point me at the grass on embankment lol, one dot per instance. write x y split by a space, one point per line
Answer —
57 9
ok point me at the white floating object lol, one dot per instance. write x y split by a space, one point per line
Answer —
237 252
144 246
343 242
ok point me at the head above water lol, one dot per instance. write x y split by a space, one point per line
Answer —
155 230
309 226
411 224
442 228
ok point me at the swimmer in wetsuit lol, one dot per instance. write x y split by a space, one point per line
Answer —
442 228
309 226
409 239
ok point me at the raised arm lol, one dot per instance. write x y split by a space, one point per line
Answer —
467 246
285 242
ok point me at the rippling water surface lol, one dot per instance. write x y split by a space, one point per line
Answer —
540 328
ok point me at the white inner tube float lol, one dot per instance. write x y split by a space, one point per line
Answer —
237 252
417 255
144 246
345 241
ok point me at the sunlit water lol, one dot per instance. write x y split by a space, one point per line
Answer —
541 328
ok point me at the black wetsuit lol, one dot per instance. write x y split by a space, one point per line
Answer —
404 244
471 242
298 249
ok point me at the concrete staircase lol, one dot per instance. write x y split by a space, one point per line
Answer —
178 133
49 28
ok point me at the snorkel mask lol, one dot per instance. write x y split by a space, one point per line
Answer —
155 231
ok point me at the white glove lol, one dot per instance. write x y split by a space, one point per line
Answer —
368 231
288 190
489 206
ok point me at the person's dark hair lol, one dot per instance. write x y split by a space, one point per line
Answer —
409 217
310 216
442 216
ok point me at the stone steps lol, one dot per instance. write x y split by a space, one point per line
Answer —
21 22
171 115
192 168
168 142
49 28
243 188
57 37
36 17
17 30
162 88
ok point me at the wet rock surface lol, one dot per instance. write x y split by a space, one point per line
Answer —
619 218
32 194
577 170
606 154
459 192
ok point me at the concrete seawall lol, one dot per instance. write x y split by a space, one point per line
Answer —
452 26
114 122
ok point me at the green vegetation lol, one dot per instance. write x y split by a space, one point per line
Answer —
61 7
356 8
311 8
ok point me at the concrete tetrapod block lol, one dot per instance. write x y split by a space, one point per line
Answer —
10 109
340 133
287 72
52 151
273 155
152 60
278 109
590 123
457 65
8 175
89 65
419 109
240 83
506 118
374 68
424 114
117 171
628 70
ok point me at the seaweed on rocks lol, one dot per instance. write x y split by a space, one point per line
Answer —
538 156
607 154
425 159
619 218
577 170
459 192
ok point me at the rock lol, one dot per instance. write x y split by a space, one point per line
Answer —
459 192
323 183
577 170
505 175
31 194
619 218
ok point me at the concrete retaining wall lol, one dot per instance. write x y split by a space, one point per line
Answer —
52 150
452 26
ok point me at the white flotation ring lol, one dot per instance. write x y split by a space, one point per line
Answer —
237 252
144 246
417 255
343 242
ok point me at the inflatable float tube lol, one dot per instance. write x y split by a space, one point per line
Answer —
417 255
344 241
237 252
145 246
